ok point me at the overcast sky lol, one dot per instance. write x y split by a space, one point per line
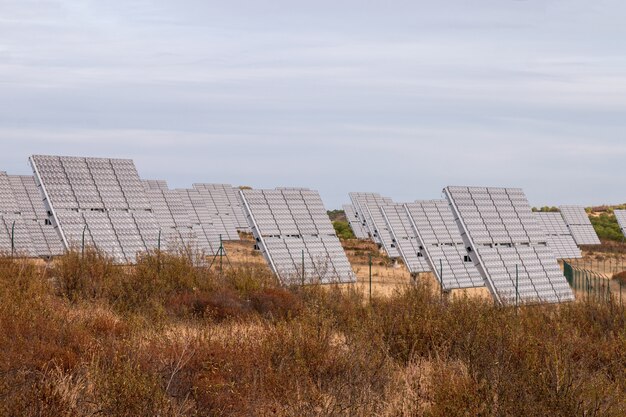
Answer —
398 97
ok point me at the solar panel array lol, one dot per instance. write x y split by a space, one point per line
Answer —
442 245
620 215
579 225
291 226
510 247
368 206
405 238
98 198
171 215
206 227
381 229
46 241
359 202
225 200
560 239
355 223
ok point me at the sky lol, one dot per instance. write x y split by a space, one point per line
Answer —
397 97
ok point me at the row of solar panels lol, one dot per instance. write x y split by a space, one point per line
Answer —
476 237
76 201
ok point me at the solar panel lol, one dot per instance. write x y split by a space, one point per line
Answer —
559 237
620 215
442 245
296 237
100 200
405 238
507 245
14 236
579 225
375 213
216 203
355 223
155 184
359 202
206 227
171 216
369 209
225 200
45 239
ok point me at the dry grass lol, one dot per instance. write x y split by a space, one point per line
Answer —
165 338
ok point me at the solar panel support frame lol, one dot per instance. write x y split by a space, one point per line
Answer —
255 227
47 204
469 243
421 242
376 232
398 246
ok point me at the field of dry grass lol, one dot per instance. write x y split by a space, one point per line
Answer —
164 338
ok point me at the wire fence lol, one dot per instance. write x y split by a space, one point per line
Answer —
595 283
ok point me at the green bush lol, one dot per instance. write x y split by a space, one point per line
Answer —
606 227
546 209
343 230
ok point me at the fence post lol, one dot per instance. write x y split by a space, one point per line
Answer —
516 286
441 278
221 249
82 245
370 267
13 239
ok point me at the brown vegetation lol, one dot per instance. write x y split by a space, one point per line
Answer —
84 337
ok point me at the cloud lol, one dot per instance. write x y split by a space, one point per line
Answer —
400 98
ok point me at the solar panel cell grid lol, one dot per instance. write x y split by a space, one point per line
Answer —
291 224
515 262
558 235
81 191
442 245
405 238
227 202
579 225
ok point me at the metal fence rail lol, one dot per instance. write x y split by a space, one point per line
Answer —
592 285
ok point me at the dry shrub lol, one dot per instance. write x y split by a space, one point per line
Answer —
246 278
123 388
455 392
620 277
226 303
82 338
276 303
82 274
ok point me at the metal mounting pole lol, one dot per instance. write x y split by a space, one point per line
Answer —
441 278
13 239
221 250
370 266
302 266
159 253
82 247
516 286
